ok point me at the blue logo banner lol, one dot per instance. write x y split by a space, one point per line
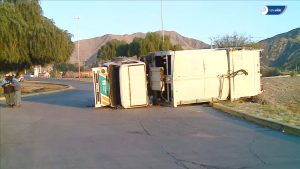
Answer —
273 9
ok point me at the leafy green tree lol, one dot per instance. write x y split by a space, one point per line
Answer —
63 67
151 43
122 50
166 45
13 39
110 50
103 53
139 46
28 38
177 47
135 47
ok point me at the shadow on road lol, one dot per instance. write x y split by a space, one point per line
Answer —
71 98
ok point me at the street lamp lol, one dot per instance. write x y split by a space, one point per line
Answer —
162 22
78 59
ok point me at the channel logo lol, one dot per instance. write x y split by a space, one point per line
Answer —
273 10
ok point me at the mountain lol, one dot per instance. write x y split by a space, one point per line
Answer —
282 50
88 48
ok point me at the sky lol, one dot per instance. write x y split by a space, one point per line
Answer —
199 19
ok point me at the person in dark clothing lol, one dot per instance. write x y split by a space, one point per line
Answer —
9 90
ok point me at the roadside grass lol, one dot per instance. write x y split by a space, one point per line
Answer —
280 101
273 112
28 87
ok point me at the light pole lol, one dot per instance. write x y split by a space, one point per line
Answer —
78 59
162 22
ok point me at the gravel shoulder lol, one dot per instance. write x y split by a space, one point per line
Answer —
280 101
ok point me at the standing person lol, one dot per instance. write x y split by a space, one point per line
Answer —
17 87
8 89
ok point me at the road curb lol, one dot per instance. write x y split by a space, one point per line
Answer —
258 120
48 92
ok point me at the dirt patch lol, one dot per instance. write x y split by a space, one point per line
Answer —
279 101
28 87
283 91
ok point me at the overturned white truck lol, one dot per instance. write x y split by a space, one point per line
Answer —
120 83
187 76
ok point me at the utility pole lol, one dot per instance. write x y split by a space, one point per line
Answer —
162 22
78 58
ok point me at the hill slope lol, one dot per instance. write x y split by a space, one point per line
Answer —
282 50
89 47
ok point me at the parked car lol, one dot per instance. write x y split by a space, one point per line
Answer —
44 75
29 75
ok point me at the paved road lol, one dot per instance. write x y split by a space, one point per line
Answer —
64 131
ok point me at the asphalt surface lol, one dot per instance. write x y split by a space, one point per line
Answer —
64 131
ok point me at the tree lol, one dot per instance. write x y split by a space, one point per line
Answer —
139 46
64 67
122 50
28 38
234 40
177 47
135 47
166 45
152 42
13 39
110 50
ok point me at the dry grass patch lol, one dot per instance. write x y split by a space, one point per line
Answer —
280 101
28 87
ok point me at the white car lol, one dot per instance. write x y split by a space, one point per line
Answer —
29 75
